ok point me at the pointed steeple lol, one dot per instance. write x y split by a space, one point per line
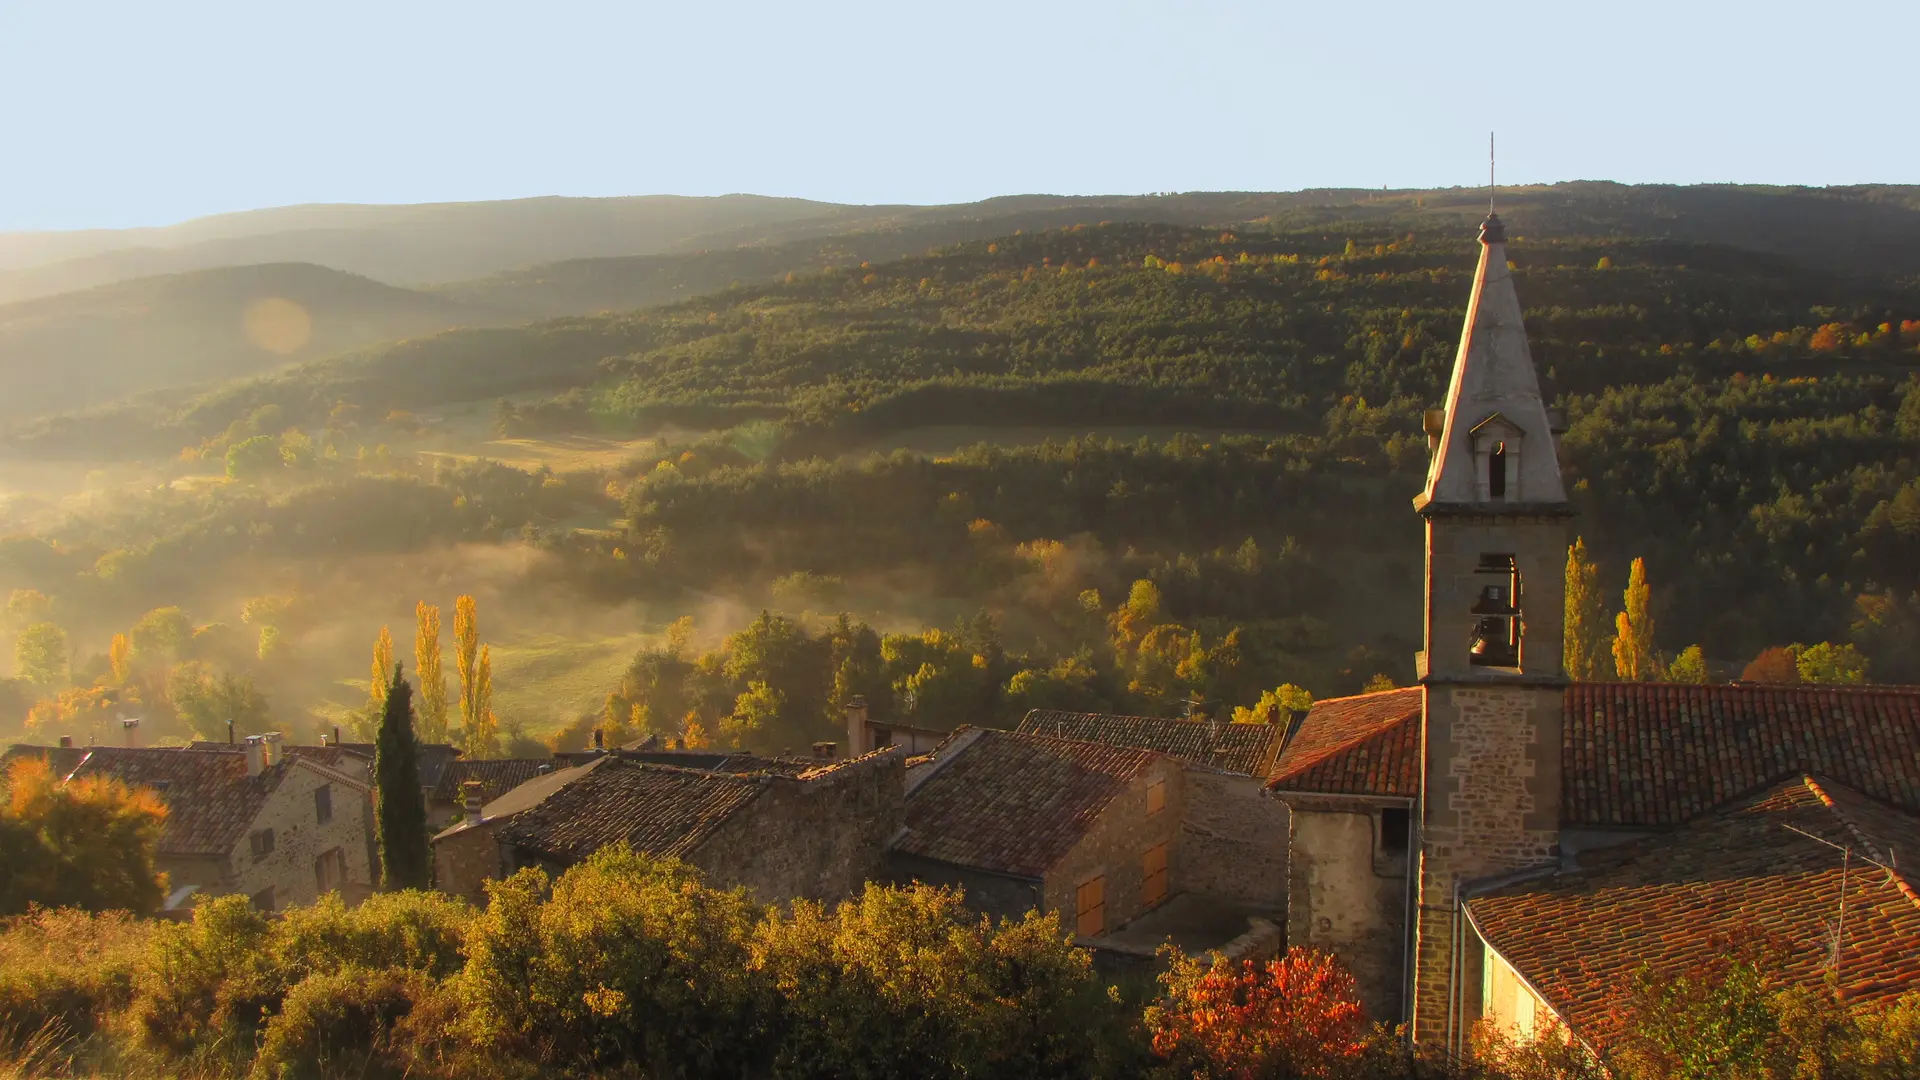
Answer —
1496 445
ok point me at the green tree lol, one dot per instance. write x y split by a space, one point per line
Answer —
40 655
1582 644
1275 706
89 844
1689 667
161 635
1830 663
255 456
206 701
26 607
399 807
1633 657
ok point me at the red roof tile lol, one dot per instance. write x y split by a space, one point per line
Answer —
1649 754
211 801
1738 874
1010 802
1363 745
1238 748
657 810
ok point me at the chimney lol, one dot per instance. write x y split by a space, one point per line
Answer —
229 733
599 740
336 734
825 751
471 799
256 755
66 742
859 738
132 730
271 744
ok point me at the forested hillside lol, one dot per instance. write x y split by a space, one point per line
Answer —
1748 423
103 344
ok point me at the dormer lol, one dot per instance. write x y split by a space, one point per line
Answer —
1496 459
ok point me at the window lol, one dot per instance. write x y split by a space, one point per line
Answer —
323 803
263 899
1156 797
330 870
1090 908
1153 869
262 844
1394 823
1497 471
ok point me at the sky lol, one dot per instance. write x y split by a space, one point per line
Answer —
138 113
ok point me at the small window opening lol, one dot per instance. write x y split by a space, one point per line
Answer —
1496 612
1394 824
1497 471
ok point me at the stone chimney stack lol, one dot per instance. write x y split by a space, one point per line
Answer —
270 742
66 742
859 738
256 755
472 798
825 751
132 730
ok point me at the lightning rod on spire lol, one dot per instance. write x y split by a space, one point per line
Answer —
1490 185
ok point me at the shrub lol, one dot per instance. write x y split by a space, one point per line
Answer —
206 988
631 962
63 973
340 1023
1297 1016
408 931
907 981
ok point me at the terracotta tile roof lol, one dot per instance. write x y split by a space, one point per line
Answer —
1240 748
211 801
497 776
61 759
656 809
1011 802
1363 745
1735 875
1647 754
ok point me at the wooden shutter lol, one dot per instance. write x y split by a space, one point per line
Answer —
1156 797
1090 904
1153 868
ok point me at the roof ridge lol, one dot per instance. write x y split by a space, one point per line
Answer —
1885 858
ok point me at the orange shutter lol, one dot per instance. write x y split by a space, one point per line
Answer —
1090 903
1156 797
1153 867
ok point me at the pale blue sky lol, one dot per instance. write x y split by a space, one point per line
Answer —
135 112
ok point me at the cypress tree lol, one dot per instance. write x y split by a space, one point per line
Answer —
399 808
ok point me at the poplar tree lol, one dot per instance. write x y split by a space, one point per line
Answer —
1633 658
1581 642
378 685
399 808
476 680
432 716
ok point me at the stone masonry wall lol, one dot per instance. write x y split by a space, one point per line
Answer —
1491 806
299 838
464 860
821 838
1233 841
1345 900
1115 847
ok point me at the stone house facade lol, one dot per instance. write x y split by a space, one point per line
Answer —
282 829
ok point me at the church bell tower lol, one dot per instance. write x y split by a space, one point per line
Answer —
1496 542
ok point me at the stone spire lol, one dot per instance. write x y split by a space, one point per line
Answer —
1496 443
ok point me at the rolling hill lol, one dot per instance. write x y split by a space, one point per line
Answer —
81 349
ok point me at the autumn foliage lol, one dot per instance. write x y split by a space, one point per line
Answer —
1298 1015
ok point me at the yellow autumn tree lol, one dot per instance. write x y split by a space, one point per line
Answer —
475 665
120 657
1581 643
430 716
1633 658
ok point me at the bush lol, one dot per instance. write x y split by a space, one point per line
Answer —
63 973
205 989
407 931
341 1023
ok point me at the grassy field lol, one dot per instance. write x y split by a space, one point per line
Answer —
544 681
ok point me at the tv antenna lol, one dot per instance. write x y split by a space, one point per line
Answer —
1490 186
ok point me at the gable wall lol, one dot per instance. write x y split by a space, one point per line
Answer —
1114 847
1233 841
299 839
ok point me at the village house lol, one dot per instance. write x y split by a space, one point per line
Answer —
1093 832
817 832
1501 843
279 828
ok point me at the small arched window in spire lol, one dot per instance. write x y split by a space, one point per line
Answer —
1497 471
